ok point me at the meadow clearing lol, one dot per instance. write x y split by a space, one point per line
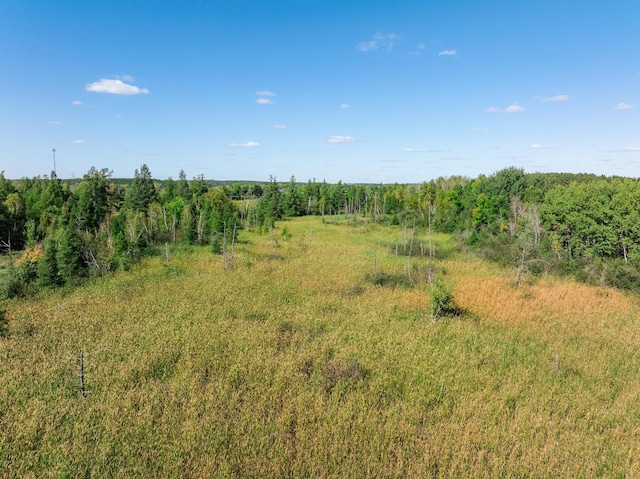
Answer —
312 354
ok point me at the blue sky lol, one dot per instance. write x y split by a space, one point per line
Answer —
362 91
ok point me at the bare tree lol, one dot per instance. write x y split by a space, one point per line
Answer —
534 222
517 211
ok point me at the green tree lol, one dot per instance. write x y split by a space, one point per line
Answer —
92 199
581 215
142 191
222 217
48 266
292 199
43 199
183 189
69 262
269 207
174 211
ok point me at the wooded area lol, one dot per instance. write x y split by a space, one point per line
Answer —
59 231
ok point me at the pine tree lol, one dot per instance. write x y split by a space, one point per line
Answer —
269 206
47 266
142 192
68 255
92 199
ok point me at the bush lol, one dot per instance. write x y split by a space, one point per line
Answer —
11 286
389 280
623 275
18 279
442 303
216 244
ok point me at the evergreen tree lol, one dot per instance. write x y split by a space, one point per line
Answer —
121 245
292 199
182 189
48 266
269 206
92 199
169 191
68 255
197 188
142 192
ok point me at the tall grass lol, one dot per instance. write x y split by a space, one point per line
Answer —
293 362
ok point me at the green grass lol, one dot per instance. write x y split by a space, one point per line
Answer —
295 363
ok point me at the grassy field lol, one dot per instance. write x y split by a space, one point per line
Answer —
296 361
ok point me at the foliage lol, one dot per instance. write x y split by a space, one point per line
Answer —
13 284
48 266
93 197
624 275
582 225
269 208
442 303
69 255
142 192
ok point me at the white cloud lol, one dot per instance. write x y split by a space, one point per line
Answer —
280 127
115 87
447 53
420 150
480 130
379 40
77 142
510 109
453 158
265 93
76 103
514 109
555 98
623 106
367 46
55 122
339 139
248 144
627 149
421 46
344 106
535 146
264 101
127 78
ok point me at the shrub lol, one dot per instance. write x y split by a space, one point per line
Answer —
389 280
216 243
442 303
12 285
27 264
623 275
20 275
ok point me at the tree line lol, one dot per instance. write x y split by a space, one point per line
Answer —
65 232
579 224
